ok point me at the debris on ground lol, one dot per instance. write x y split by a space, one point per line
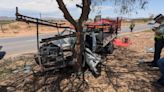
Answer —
123 71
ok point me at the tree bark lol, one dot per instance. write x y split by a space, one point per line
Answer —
79 48
85 11
66 13
84 17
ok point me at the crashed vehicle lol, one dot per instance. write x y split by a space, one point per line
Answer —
57 52
98 39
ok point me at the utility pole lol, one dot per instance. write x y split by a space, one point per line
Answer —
40 15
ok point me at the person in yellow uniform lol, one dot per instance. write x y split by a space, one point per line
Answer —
159 39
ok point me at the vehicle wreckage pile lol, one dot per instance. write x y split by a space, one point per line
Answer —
57 53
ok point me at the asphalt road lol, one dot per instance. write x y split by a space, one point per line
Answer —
19 45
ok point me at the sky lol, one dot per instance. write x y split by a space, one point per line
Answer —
49 8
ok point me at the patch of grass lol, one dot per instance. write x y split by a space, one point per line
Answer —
6 21
147 31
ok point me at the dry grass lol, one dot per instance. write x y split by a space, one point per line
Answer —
17 29
14 26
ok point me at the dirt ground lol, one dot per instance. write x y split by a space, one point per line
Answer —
17 29
123 71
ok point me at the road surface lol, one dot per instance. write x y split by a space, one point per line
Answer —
19 45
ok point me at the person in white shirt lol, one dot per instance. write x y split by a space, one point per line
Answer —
159 39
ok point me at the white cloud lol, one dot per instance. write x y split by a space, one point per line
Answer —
32 5
43 6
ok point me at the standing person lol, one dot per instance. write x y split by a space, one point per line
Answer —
159 39
132 25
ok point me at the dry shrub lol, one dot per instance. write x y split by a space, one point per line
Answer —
14 26
15 31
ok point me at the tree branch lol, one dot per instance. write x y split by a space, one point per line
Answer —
67 15
85 10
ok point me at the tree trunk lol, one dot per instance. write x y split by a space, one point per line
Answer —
79 48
